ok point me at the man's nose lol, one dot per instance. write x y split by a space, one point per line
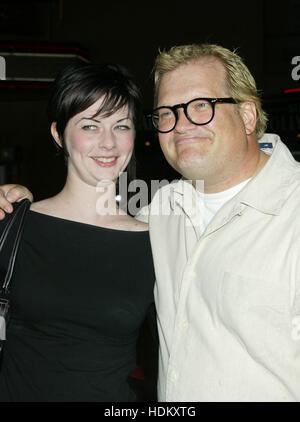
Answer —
183 122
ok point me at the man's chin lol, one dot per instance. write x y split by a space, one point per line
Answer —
192 167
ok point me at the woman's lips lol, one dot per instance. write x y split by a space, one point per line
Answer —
105 161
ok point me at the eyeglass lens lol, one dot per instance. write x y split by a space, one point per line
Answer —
198 111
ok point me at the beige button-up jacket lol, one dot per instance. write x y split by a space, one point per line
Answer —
228 301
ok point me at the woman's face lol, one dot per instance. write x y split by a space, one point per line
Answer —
99 147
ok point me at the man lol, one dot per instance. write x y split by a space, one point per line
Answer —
227 266
228 283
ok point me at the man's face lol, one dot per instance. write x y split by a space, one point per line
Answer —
209 152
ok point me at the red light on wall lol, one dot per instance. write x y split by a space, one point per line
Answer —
287 91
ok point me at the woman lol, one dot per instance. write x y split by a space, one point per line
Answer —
83 280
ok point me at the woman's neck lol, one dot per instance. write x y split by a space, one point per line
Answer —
95 205
91 200
80 201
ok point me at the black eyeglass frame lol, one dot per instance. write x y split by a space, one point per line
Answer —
175 107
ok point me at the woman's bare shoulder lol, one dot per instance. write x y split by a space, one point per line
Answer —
123 221
45 206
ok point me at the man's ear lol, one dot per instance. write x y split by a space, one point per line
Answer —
55 134
247 111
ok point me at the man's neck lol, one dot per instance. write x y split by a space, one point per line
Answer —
237 177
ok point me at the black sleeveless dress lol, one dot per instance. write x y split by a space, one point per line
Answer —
79 296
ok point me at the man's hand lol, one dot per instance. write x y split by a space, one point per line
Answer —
12 193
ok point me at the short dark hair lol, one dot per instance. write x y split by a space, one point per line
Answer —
77 87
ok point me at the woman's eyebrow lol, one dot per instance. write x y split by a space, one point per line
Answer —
88 118
99 121
124 118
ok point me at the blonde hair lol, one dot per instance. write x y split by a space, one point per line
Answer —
239 81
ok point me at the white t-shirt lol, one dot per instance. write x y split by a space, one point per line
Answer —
214 201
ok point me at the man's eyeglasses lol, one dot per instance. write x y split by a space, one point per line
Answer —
199 111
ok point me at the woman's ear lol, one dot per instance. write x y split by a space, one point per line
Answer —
247 111
55 134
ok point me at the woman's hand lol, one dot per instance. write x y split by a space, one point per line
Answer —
12 193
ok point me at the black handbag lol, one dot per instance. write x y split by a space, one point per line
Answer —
10 238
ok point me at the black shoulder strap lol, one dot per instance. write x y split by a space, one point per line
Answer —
18 219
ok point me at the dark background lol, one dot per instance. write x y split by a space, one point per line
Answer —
266 34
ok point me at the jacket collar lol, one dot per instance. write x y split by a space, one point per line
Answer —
268 189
